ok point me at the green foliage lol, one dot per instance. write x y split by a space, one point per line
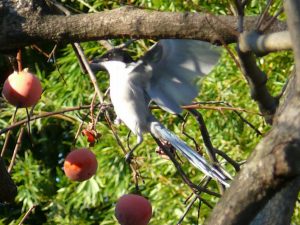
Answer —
38 169
34 182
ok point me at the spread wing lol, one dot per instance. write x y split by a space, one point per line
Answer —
175 66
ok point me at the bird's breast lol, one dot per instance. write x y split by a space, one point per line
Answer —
130 105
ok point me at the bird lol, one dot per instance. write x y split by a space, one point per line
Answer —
166 74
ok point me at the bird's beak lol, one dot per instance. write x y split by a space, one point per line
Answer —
97 65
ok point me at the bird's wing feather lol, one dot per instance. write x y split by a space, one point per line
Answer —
175 66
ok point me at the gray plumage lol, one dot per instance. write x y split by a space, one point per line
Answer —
167 75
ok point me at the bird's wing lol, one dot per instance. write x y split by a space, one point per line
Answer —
175 65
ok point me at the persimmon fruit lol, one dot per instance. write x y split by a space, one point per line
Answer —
133 209
80 164
22 89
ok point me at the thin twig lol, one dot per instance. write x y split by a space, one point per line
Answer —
187 210
205 180
192 202
236 111
28 123
263 15
92 111
81 64
217 151
186 180
52 55
79 129
34 46
46 114
26 214
272 20
100 111
210 150
17 148
19 140
199 105
189 136
285 85
90 72
235 165
248 123
205 136
8 134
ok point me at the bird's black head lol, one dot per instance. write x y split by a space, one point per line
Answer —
115 55
112 55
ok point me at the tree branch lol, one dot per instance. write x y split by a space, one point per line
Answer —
20 28
272 171
282 203
271 168
257 81
263 44
292 10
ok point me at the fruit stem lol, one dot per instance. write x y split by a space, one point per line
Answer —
19 60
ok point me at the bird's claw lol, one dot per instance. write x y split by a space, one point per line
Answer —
128 157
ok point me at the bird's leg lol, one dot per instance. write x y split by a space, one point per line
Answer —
166 144
128 156
171 148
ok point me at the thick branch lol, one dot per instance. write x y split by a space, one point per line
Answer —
280 208
271 168
272 171
19 29
257 81
292 10
263 44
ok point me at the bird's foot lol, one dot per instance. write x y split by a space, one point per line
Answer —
128 157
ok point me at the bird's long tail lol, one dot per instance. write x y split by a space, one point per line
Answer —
159 131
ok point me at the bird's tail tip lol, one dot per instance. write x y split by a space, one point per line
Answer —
160 132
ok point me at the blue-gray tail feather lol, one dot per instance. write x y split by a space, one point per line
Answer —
159 131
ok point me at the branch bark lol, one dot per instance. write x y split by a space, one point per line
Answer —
272 171
30 25
281 206
272 166
264 44
257 81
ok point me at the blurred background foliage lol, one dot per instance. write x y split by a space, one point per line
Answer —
38 169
